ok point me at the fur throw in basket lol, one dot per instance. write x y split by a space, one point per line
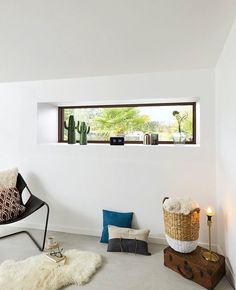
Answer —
181 218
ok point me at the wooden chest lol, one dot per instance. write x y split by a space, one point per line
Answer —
194 267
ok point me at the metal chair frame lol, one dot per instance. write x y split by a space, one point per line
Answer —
32 205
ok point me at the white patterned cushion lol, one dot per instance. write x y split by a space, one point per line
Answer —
8 178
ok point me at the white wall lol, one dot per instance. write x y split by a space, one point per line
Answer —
54 39
47 123
79 181
226 141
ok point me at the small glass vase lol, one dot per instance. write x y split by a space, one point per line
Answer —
179 138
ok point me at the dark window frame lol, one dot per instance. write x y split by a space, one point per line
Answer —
61 119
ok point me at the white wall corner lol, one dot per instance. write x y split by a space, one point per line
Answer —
229 271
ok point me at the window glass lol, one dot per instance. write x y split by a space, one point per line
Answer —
133 121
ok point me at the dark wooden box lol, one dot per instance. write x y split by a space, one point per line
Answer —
194 267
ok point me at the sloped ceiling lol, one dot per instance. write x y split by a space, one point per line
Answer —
45 39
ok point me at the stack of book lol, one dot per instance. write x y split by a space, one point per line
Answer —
58 260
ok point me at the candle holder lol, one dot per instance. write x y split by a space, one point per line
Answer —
51 244
209 255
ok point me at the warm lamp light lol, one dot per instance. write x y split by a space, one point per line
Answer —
208 255
210 212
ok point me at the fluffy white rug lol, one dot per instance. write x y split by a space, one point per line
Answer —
39 272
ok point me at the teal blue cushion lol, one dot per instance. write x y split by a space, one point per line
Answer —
113 218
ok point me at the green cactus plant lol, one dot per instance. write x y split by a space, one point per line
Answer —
83 131
71 129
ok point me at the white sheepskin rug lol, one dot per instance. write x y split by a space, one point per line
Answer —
39 273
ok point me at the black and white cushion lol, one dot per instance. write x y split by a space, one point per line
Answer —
10 204
128 240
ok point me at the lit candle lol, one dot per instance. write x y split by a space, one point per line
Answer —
209 255
209 212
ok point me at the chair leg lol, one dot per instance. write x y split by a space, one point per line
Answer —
41 248
46 227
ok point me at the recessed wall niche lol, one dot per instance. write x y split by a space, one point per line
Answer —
47 123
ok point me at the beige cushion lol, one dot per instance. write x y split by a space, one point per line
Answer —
127 233
8 178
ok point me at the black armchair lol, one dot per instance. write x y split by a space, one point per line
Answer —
33 204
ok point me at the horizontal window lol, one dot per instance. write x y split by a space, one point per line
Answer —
132 121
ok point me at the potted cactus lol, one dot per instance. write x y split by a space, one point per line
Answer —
83 130
71 129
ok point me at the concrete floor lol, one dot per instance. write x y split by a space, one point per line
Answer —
120 271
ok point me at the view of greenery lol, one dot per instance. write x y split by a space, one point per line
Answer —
120 121
132 122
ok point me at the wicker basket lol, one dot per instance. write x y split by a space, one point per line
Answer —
182 231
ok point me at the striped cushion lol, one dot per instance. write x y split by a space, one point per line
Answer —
128 240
